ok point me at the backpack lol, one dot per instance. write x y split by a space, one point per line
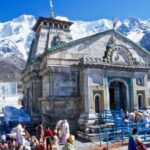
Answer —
141 146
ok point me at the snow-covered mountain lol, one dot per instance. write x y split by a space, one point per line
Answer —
16 35
15 39
135 29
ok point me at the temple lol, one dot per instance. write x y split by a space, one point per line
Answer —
78 79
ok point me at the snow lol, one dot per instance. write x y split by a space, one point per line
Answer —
17 31
81 29
136 36
15 115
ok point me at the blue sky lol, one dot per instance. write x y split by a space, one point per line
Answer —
76 9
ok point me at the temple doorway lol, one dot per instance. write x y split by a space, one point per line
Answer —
118 95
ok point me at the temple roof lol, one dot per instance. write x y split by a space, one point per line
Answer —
50 20
78 41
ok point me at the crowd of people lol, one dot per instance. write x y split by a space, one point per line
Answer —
45 139
137 116
135 142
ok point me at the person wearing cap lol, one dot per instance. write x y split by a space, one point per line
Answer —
69 145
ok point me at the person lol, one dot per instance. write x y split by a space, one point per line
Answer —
63 131
3 137
48 137
11 145
126 113
39 147
12 135
34 142
135 142
55 142
40 132
146 118
131 117
69 145
126 116
20 140
4 146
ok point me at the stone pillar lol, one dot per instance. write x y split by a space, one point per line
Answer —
134 102
86 92
106 93
146 90
51 74
87 117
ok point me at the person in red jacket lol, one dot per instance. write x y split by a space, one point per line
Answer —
48 137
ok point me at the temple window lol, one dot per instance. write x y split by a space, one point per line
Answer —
97 99
55 25
61 26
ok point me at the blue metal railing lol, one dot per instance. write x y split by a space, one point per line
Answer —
114 116
124 131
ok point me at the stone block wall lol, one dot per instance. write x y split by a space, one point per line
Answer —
56 109
45 86
65 84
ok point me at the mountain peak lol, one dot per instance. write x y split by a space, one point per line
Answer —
19 32
134 19
24 18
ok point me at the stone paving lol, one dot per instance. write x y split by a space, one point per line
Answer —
81 145
84 145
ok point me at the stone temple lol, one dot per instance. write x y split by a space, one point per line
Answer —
78 79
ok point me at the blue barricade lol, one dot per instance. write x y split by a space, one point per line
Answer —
123 131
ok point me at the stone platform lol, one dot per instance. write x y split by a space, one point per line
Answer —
91 133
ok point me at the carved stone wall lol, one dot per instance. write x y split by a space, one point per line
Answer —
65 84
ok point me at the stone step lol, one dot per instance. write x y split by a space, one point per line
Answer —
95 128
88 137
95 135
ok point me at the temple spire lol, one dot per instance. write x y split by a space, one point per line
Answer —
52 9
115 21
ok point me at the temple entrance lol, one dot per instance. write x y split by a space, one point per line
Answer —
118 95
